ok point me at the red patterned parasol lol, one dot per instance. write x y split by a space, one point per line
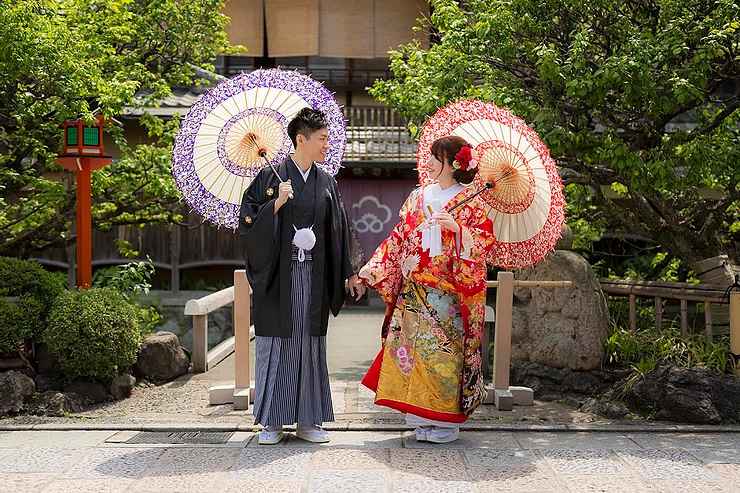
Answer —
517 178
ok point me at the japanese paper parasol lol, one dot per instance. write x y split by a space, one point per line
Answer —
239 127
517 178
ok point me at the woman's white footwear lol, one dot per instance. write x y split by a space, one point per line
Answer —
271 435
312 433
439 434
422 433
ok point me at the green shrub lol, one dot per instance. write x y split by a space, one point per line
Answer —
627 348
95 333
132 280
35 290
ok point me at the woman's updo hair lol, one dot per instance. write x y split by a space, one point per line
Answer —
445 149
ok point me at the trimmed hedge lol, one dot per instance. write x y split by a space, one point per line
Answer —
95 333
36 290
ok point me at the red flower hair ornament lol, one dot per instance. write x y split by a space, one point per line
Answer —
465 159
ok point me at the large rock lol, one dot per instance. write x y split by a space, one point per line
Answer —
161 357
687 395
121 386
560 327
51 403
15 389
558 383
92 392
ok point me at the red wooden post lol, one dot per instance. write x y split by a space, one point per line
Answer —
84 225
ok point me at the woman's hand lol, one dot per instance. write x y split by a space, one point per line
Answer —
447 222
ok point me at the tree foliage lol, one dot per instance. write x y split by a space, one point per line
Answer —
65 59
637 100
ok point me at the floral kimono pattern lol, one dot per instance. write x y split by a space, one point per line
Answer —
430 362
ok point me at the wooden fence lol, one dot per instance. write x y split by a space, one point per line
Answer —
712 297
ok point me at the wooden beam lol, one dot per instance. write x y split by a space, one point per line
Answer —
210 303
708 321
735 329
242 322
200 343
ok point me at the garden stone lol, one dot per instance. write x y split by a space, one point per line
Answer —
121 386
52 403
693 395
15 388
161 358
605 407
560 327
93 392
582 382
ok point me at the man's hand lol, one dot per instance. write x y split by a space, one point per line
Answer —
285 192
356 287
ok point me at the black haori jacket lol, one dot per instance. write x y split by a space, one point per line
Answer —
267 239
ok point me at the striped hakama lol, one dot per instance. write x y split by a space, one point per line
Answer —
291 376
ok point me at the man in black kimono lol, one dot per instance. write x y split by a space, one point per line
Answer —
297 244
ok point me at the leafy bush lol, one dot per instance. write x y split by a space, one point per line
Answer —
644 348
19 321
95 333
132 280
36 290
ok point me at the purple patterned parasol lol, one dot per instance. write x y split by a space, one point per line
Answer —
217 150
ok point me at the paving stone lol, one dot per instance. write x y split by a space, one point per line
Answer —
579 440
467 440
242 485
531 479
350 481
267 463
89 486
415 483
350 459
501 459
54 439
609 483
196 460
24 483
687 441
673 486
570 461
114 463
38 460
668 464
718 456
185 483
727 472
348 439
432 464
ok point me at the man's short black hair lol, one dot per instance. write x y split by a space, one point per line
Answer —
306 122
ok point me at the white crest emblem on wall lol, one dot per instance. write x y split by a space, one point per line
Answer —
371 215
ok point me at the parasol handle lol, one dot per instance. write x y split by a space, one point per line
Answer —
487 186
263 155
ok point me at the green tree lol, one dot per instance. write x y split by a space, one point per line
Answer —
62 59
639 98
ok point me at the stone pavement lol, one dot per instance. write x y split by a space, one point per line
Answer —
378 461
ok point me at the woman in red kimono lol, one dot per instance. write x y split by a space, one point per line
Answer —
431 273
